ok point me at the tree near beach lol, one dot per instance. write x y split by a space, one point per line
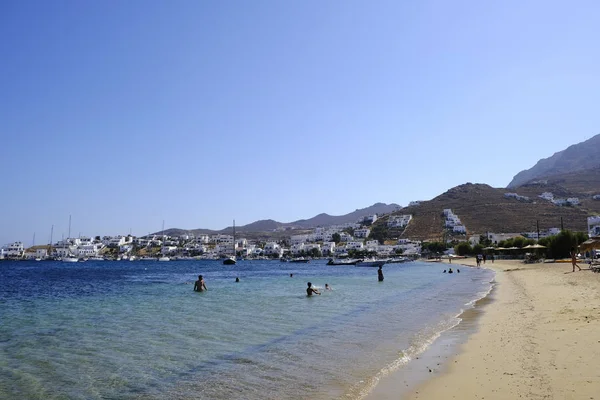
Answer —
559 246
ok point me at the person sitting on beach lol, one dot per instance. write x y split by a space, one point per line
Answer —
327 287
310 290
574 259
380 274
444 271
450 271
457 271
200 286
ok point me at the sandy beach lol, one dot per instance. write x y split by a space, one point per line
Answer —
538 338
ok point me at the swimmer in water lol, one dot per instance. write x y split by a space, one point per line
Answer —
200 286
327 287
310 290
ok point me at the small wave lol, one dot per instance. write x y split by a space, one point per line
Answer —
418 347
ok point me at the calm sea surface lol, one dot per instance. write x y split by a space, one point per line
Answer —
136 330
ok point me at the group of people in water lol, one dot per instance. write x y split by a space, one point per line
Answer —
200 285
451 272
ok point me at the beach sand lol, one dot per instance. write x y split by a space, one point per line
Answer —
537 337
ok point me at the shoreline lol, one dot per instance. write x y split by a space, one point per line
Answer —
434 359
536 337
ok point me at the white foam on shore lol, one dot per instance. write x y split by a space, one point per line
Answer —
366 387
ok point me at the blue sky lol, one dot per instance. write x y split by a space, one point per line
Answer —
127 113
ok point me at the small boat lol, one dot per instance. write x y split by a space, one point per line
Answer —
132 258
346 261
231 259
70 258
370 263
38 259
164 258
300 260
397 260
96 258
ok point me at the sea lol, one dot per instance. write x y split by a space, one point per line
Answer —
137 330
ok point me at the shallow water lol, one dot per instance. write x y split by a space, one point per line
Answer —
129 330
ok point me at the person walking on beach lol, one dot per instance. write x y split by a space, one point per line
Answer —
574 259
200 286
310 290
380 274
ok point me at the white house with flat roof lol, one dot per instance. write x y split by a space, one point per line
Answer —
272 248
362 232
399 221
498 237
354 245
328 248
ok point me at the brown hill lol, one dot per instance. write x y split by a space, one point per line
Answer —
482 209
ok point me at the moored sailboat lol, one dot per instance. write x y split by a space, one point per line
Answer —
231 260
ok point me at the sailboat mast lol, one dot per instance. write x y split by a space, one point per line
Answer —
69 237
234 238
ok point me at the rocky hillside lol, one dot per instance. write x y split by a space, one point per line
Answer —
482 208
578 157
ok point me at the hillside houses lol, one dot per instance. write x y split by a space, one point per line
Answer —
570 201
453 223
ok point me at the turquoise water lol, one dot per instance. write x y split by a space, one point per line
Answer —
136 330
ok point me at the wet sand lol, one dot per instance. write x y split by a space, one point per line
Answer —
537 336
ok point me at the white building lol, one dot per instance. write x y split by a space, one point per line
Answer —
496 238
459 229
14 250
345 237
297 239
399 221
574 201
354 246
593 224
328 248
362 232
272 248
297 248
547 196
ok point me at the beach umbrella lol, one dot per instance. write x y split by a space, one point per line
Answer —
534 246
590 244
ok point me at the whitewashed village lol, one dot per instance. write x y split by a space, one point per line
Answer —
338 241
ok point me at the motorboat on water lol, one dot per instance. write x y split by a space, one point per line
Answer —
300 260
70 258
345 261
96 258
370 263
164 258
229 261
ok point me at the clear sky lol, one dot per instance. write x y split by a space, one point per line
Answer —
127 113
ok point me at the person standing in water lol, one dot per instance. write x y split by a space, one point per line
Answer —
200 286
380 274
310 290
574 259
